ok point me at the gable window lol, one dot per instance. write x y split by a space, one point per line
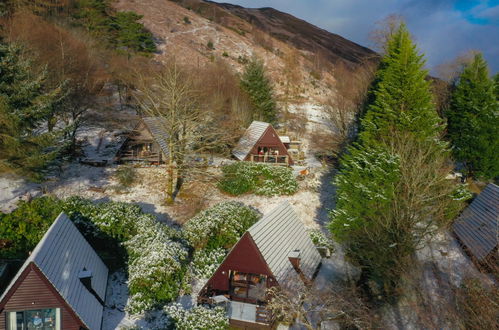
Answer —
36 319
247 287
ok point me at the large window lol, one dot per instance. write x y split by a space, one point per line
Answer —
37 319
248 287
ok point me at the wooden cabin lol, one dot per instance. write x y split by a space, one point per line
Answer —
477 226
275 250
261 143
61 286
147 143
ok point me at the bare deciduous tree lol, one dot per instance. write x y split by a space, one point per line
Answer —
309 306
172 95
384 31
343 108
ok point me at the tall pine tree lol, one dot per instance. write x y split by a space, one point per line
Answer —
392 191
473 120
26 146
260 91
402 98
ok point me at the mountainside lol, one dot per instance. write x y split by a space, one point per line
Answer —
198 32
302 34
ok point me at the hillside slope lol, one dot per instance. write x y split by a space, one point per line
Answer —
302 34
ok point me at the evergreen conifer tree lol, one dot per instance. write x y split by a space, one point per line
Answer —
25 145
402 100
473 120
392 191
259 89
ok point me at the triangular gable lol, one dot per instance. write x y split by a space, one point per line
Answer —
270 138
60 255
250 137
41 293
243 257
258 133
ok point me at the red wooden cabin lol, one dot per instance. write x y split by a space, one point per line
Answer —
273 251
261 143
61 286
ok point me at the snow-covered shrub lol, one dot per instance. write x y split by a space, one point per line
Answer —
115 219
156 266
198 318
220 226
320 239
206 262
262 179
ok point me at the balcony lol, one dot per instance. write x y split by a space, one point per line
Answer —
270 159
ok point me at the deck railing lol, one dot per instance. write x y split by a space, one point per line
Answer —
271 159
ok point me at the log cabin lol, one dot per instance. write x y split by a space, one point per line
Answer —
61 286
273 251
261 143
477 226
146 143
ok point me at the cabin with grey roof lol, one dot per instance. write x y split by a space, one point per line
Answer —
274 251
62 284
477 226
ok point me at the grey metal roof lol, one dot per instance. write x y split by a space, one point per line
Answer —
277 234
157 127
61 255
477 226
249 139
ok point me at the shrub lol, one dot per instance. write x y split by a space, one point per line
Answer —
22 229
477 304
126 175
210 45
115 219
220 226
320 239
225 54
187 20
206 262
156 266
245 177
198 318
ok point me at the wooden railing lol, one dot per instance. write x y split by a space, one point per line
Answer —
271 159
263 315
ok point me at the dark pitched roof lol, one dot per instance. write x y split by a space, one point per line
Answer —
61 255
279 233
249 139
477 226
157 127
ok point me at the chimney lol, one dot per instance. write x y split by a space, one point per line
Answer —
295 257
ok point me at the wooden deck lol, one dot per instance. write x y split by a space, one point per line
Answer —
270 159
249 316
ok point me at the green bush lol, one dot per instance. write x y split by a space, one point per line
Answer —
187 20
205 262
126 175
22 229
156 266
220 226
198 318
320 239
225 54
210 45
261 179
